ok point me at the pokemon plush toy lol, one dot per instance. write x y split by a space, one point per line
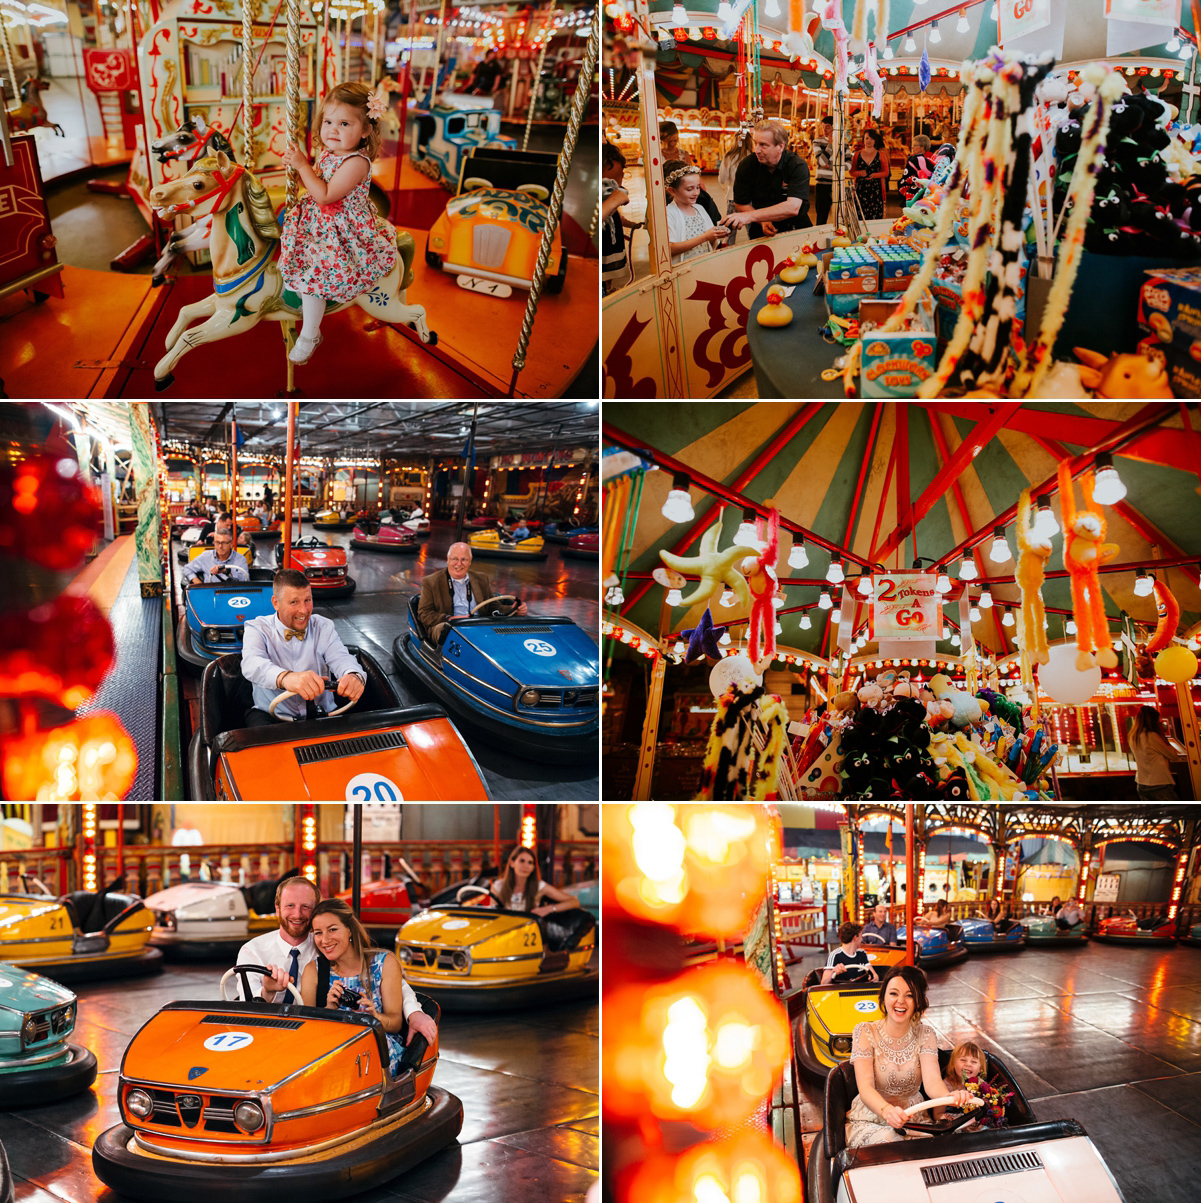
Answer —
1084 551
1168 609
1033 553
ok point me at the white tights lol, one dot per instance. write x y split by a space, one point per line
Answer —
312 310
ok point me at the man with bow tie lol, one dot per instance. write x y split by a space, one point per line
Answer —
295 650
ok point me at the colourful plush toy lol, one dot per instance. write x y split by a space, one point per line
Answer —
1168 609
1122 376
965 709
1084 551
735 769
1033 553
760 574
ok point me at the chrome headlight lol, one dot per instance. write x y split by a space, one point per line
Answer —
139 1103
29 1030
405 954
249 1116
529 697
461 961
841 1044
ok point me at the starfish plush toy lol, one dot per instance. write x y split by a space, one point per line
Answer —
702 640
716 569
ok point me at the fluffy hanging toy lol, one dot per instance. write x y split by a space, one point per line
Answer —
1033 553
760 573
1084 551
734 769
1168 609
716 568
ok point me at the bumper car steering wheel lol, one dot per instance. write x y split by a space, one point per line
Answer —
242 971
873 936
465 892
310 707
948 1123
505 604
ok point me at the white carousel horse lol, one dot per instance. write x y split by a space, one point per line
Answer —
244 247
192 137
31 113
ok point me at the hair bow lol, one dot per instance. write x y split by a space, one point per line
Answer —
375 107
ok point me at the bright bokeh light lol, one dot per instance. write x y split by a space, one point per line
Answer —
704 1047
747 1168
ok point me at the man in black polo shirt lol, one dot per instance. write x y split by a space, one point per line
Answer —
771 187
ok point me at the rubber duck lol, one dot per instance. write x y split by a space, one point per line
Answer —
775 312
796 268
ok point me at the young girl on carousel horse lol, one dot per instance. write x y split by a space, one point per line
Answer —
335 246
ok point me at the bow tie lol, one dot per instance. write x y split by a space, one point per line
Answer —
290 634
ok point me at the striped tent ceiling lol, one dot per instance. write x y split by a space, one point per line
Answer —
833 468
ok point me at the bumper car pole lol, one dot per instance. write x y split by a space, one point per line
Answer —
579 104
293 406
910 881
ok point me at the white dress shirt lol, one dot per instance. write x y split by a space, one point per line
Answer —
461 592
266 652
206 567
272 949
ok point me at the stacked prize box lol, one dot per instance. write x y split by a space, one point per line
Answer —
1169 308
899 263
852 273
1183 368
896 364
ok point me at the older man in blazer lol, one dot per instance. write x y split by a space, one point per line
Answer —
448 595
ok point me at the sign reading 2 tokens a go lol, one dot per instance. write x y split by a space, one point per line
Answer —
906 606
228 1042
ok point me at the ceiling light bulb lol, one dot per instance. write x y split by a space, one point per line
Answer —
986 600
824 601
1186 52
679 648
1143 583
967 569
725 639
864 588
1044 524
674 597
771 9
678 506
1108 488
1070 626
1173 44
955 640
835 574
992 12
999 551
806 622
888 52
943 584
946 631
1007 618
778 601
727 598
974 614
724 11
910 44
935 35
962 25
745 535
798 557
836 615
779 629
679 16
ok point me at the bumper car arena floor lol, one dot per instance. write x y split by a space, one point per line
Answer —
1107 1035
527 1079
375 614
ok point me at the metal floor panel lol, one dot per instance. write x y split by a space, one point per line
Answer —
131 689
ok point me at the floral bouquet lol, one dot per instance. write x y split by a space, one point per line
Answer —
994 1097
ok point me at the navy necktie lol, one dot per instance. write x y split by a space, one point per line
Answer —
295 969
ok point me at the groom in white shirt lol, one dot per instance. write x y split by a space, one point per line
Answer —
288 949
294 650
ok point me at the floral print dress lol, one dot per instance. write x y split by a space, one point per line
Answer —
336 251
896 1065
396 1046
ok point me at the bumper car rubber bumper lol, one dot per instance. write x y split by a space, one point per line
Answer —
363 1165
535 991
92 969
36 1086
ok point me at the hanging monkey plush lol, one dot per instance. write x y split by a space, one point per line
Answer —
1084 551
1033 553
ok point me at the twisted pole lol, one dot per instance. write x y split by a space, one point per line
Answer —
579 105
248 82
292 106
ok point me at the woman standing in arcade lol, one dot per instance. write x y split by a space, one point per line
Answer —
522 887
894 1058
869 170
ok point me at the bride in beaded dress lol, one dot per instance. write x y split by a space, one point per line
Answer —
894 1058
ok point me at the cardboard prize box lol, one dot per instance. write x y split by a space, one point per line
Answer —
899 263
1169 307
896 364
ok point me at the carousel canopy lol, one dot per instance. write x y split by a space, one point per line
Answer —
885 483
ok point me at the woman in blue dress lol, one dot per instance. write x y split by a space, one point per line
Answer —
355 965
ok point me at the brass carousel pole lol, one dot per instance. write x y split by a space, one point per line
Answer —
579 105
248 83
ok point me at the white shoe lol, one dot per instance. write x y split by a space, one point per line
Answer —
302 350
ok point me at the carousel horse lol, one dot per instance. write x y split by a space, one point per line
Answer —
244 247
190 139
31 113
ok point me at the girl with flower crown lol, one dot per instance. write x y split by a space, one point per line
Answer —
690 230
335 245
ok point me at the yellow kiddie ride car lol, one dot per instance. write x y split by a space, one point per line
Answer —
82 935
488 234
473 958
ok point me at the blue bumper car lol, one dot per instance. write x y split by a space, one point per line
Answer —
214 615
1193 937
563 532
530 684
934 946
983 935
1043 932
